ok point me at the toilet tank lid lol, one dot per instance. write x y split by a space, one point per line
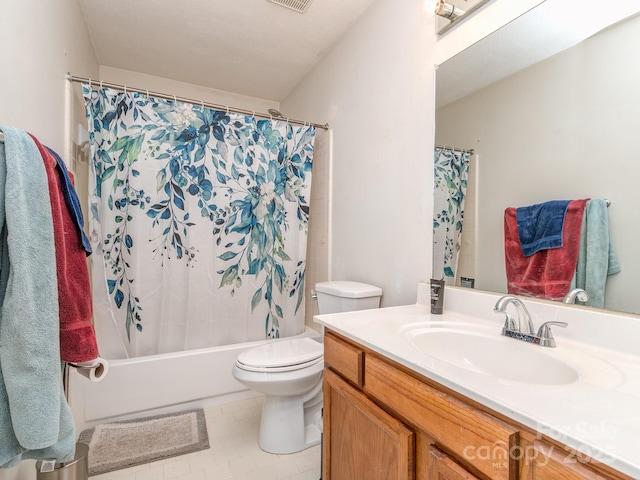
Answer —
348 289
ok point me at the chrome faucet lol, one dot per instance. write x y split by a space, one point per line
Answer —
523 313
576 293
513 329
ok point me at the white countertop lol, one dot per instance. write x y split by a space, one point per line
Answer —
597 415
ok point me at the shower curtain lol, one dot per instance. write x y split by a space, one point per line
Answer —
199 224
451 171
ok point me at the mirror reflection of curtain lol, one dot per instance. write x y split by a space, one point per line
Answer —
199 219
451 172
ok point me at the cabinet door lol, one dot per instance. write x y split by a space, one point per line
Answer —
362 441
444 468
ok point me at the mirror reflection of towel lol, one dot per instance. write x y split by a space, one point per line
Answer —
597 259
547 273
540 225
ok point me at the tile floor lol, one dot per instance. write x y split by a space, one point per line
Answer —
233 454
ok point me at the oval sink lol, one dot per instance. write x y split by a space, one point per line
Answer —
494 355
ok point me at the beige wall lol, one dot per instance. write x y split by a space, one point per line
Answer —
564 128
185 90
375 89
42 41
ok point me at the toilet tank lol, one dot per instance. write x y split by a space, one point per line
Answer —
346 296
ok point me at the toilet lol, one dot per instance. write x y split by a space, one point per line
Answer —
289 373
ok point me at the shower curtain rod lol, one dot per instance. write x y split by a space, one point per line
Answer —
175 98
461 150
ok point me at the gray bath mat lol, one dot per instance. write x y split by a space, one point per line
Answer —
113 446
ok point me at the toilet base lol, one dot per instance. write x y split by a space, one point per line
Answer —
290 425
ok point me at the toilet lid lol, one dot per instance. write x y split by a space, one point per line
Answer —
282 355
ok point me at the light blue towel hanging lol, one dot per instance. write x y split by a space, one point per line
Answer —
35 419
597 259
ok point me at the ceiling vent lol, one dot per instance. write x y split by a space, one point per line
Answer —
297 5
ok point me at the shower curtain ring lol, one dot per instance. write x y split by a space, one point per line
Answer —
147 94
125 89
227 109
175 99
100 84
89 83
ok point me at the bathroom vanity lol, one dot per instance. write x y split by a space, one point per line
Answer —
398 407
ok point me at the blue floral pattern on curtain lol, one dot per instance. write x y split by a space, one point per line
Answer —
163 169
451 171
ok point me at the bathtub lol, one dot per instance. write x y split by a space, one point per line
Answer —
156 384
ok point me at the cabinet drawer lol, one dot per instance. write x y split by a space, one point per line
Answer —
473 436
344 358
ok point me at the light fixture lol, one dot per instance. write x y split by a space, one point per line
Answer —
447 10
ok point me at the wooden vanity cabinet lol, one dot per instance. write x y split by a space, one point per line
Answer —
366 440
383 421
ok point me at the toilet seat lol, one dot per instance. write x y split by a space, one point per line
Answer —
282 356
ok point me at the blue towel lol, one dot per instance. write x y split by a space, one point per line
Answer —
597 258
540 226
72 202
35 419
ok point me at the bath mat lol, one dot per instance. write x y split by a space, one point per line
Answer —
113 446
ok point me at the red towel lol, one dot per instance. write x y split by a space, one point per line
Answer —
547 273
77 335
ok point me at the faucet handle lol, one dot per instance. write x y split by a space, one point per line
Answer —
545 334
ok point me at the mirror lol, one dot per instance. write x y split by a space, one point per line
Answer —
551 111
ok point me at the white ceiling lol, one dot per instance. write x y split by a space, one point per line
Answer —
250 47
